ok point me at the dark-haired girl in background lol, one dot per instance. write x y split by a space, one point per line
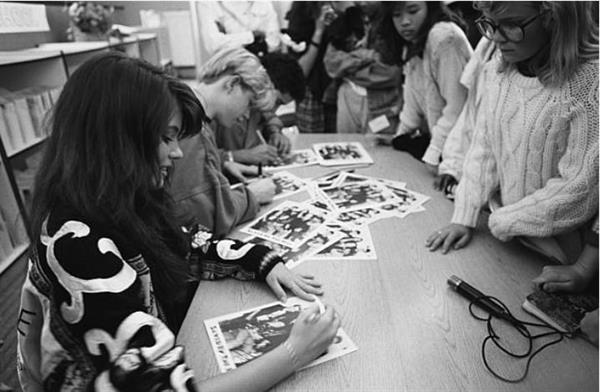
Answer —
426 39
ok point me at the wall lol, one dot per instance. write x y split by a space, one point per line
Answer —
126 13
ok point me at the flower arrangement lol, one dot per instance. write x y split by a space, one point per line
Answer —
89 18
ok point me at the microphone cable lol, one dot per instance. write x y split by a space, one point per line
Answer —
521 327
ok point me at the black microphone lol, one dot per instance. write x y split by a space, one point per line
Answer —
477 297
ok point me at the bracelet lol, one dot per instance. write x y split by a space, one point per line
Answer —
230 156
315 44
292 353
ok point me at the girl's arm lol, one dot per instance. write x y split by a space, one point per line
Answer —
218 259
339 64
571 198
296 27
310 336
410 117
449 59
377 75
479 179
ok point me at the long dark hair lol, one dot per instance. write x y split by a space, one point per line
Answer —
101 160
437 11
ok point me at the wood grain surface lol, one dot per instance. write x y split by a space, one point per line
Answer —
413 333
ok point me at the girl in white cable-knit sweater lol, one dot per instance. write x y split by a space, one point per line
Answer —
536 141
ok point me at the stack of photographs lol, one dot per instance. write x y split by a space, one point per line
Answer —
241 337
334 222
342 153
296 158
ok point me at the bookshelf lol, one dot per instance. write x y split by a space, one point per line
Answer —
31 80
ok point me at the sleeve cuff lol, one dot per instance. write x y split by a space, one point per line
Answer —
467 216
432 155
261 259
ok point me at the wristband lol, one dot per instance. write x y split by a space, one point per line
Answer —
315 44
292 353
230 156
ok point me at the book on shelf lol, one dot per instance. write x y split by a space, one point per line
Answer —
10 213
15 141
25 121
561 311
6 247
23 114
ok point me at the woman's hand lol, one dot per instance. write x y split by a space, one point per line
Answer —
571 278
589 326
453 236
303 286
312 334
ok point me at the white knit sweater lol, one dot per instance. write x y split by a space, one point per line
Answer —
432 89
539 146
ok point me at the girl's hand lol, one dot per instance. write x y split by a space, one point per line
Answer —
433 169
453 236
444 181
312 333
303 286
325 18
569 278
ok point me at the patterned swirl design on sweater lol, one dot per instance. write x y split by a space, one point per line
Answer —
77 286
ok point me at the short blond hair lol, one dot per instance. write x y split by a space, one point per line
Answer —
245 65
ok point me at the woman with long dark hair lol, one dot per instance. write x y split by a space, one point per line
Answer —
425 37
110 275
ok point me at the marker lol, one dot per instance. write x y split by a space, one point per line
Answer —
260 137
321 306
262 141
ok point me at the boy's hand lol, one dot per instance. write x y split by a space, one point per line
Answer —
453 236
262 153
239 171
281 142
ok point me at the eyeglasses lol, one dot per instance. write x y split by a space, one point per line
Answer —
510 31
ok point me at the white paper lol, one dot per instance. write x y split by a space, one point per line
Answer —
23 18
288 224
378 124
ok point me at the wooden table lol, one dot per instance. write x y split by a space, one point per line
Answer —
413 333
